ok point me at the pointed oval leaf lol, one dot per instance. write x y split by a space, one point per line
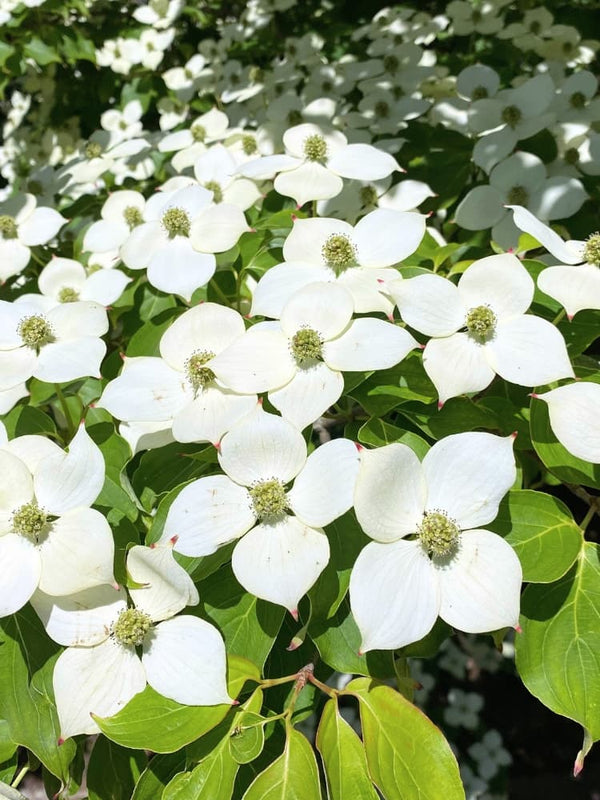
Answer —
292 776
113 771
211 778
248 738
408 756
343 757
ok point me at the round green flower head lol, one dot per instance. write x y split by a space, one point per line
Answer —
249 144
198 132
481 321
29 521
368 196
518 196
131 627
268 498
339 253
133 217
198 374
479 93
382 109
591 251
512 115
35 331
93 150
68 295
577 100
306 344
8 227
215 188
315 147
438 534
176 222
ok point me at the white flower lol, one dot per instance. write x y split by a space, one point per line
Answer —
159 13
56 344
451 568
121 213
182 658
463 709
489 754
301 360
191 142
316 161
281 557
480 328
573 411
215 170
331 250
180 389
576 286
49 537
65 281
23 225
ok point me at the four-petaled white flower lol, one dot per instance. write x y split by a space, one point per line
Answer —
430 556
23 225
281 557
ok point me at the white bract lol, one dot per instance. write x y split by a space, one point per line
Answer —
121 213
300 361
284 549
573 411
179 389
430 556
576 286
316 161
333 251
479 328
23 225
66 281
49 537
56 344
99 672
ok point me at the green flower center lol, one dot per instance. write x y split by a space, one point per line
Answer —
476 16
382 109
391 64
481 321
176 222
591 250
256 74
160 7
35 331
294 117
268 498
249 144
133 217
93 150
517 196
315 147
572 155
198 133
338 252
215 188
68 295
8 227
535 26
577 100
197 373
368 196
512 115
438 534
306 344
29 521
327 86
479 93
568 47
131 627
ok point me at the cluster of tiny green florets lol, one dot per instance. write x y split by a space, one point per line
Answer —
591 251
339 252
479 93
249 144
517 196
68 295
315 147
512 115
198 374
306 345
176 222
215 188
35 331
481 321
8 227
133 217
93 150
198 132
131 627
268 498
438 533
29 521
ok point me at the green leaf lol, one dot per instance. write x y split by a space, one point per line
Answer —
6 51
542 532
558 652
293 776
40 52
7 746
153 722
387 388
113 771
27 659
457 415
554 456
214 777
167 467
581 332
116 494
248 738
408 757
343 757
248 625
157 775
428 646
24 420
378 433
146 339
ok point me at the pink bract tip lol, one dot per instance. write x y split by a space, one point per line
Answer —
294 614
380 280
358 446
518 628
115 586
293 645
361 653
578 765
60 741
514 435
122 356
440 405
174 539
570 317
534 395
